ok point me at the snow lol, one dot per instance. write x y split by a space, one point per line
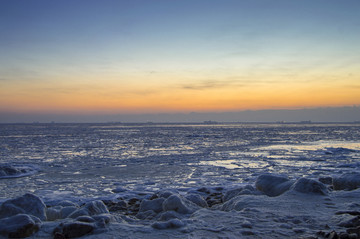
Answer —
182 181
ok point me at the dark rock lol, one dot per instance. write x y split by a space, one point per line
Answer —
197 199
67 203
75 229
19 226
166 216
154 196
246 224
299 230
354 222
7 170
133 201
272 185
119 206
232 193
353 213
204 190
154 205
146 215
247 233
349 181
26 204
180 205
90 209
343 235
59 235
85 219
173 223
332 235
106 218
309 186
354 231
214 198
321 233
165 194
326 180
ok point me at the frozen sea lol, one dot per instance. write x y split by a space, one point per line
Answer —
82 162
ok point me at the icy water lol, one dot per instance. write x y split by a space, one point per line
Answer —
103 160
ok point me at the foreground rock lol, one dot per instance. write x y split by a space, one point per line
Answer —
27 204
347 181
73 230
19 226
7 170
90 209
272 185
180 205
309 186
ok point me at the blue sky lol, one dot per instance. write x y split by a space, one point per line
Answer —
178 56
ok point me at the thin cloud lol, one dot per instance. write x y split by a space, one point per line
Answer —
211 84
235 82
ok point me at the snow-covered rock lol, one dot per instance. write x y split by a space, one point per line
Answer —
348 181
26 204
89 209
154 205
73 229
66 211
53 214
272 185
247 190
146 215
19 226
67 203
243 202
166 193
180 205
8 170
165 216
173 223
309 186
197 199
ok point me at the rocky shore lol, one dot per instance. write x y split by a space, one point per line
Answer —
274 207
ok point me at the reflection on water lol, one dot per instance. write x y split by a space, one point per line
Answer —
90 159
230 163
311 146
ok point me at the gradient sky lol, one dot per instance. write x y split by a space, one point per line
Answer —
141 56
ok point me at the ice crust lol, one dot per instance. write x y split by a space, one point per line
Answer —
179 181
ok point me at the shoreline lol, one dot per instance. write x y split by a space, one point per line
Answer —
276 207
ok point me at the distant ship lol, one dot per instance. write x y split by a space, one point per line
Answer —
305 122
210 122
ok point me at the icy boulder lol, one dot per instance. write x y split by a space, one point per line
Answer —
243 202
180 205
26 204
272 185
347 181
173 223
247 190
90 209
197 199
19 226
7 170
154 205
73 230
309 186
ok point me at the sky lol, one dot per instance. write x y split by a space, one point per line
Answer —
88 57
